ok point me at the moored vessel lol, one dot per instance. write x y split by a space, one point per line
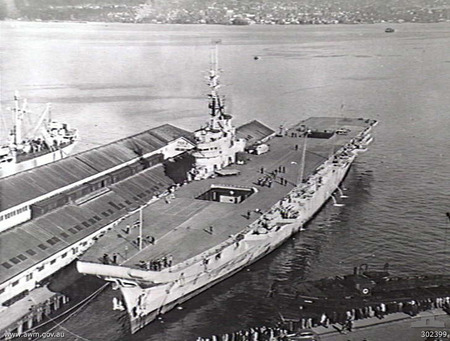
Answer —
328 306
363 293
232 209
47 141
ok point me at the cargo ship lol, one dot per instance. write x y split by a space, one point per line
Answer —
48 141
245 192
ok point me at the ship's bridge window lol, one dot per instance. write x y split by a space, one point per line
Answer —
225 194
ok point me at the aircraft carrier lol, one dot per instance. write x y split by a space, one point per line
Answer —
239 194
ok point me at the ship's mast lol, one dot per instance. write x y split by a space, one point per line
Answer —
302 165
215 102
17 119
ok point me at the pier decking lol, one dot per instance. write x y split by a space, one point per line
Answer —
183 226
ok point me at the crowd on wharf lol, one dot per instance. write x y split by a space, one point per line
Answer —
341 321
253 334
379 310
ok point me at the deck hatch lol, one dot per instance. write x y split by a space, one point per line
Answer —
226 194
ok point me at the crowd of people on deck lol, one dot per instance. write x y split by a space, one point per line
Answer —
109 260
157 264
272 176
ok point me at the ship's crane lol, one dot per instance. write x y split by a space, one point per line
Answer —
45 114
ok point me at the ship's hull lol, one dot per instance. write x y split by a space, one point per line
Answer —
11 168
145 304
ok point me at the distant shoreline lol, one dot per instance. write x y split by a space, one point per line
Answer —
390 22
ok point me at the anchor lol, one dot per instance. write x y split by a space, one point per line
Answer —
341 193
335 203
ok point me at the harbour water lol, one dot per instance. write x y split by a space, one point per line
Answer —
112 80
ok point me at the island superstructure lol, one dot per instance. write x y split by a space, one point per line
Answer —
216 143
243 197
47 142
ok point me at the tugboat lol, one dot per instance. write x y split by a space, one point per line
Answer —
48 141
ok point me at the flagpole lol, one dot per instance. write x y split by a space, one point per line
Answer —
140 228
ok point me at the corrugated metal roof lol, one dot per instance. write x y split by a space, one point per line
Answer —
33 242
33 183
253 131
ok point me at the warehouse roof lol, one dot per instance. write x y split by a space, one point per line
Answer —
33 242
253 132
27 185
